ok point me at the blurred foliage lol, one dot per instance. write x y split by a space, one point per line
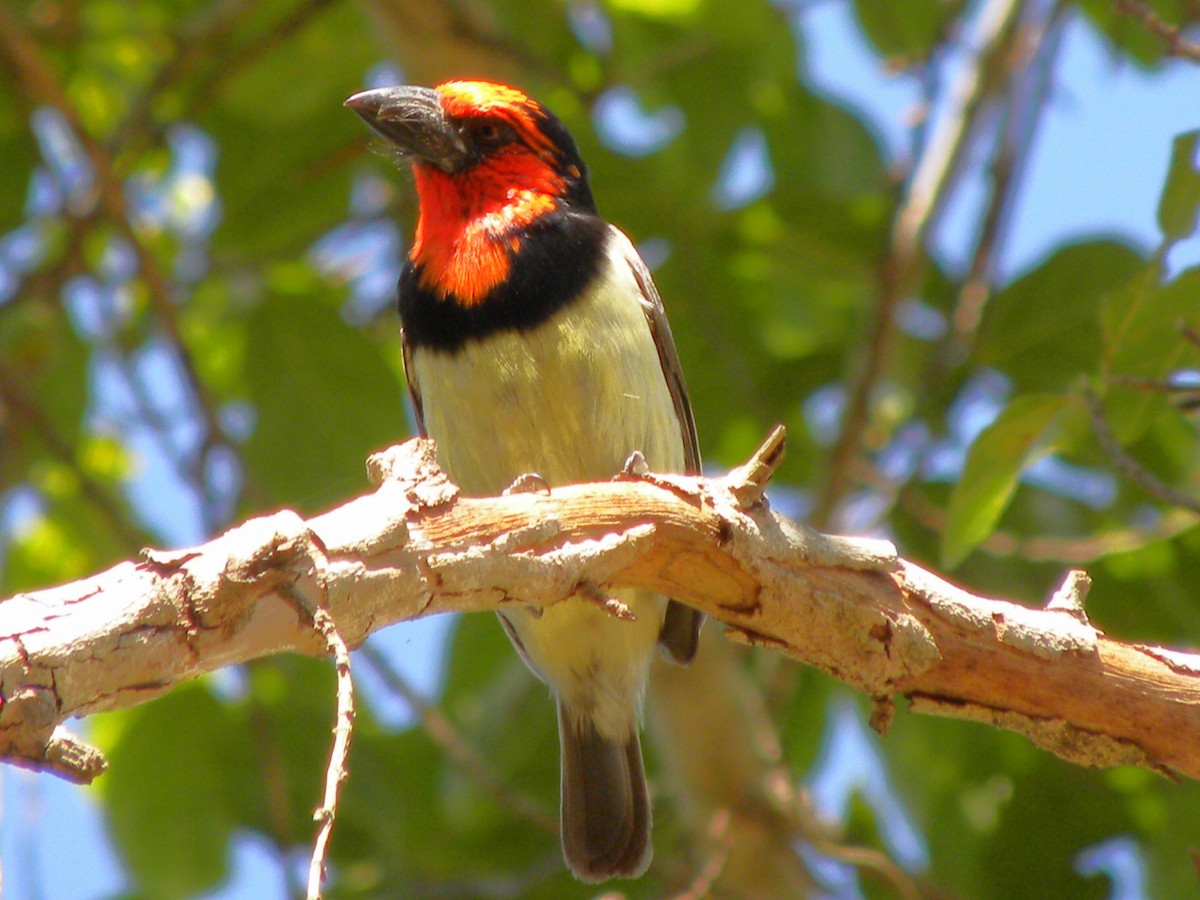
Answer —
189 208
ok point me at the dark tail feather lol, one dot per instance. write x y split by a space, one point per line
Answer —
605 806
680 634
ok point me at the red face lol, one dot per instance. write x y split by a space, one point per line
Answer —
471 217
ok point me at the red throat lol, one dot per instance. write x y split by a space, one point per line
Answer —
470 222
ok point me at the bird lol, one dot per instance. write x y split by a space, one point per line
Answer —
535 344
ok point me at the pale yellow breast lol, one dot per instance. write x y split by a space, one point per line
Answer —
569 400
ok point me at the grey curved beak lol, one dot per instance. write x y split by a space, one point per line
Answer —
413 120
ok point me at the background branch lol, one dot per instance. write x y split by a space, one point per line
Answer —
1166 32
925 196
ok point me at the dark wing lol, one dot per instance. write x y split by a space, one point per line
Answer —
410 376
681 626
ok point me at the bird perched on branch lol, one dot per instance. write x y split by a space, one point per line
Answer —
536 342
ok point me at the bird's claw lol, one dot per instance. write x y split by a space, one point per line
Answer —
529 483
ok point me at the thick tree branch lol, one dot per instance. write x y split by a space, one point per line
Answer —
415 547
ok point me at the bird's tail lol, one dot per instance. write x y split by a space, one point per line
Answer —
605 805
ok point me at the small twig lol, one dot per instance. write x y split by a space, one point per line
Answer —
444 733
41 744
1130 467
825 839
611 605
335 772
867 858
242 56
702 884
529 483
1154 385
1071 594
14 396
310 595
1166 32
68 756
749 481
199 39
1044 548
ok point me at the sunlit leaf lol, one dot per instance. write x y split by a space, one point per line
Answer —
1021 434
324 395
1043 330
909 30
1180 199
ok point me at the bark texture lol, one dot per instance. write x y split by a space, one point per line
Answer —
415 547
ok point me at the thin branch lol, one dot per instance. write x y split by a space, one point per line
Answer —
444 733
335 773
1169 34
201 39
1047 548
310 595
1130 467
925 196
718 834
1154 385
1024 107
902 884
234 59
749 481
96 493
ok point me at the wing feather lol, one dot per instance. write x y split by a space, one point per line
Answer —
414 390
680 633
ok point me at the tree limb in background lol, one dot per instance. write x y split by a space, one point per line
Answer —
41 85
924 197
1130 467
1167 33
415 547
13 396
1023 105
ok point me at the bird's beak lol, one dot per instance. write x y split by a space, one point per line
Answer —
412 118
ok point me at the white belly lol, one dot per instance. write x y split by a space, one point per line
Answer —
570 401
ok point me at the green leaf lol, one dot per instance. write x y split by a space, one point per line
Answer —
167 791
661 9
1126 35
1180 200
1017 438
1031 853
325 396
280 136
1043 330
909 30
1143 338
18 156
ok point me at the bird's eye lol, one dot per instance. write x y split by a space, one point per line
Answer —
490 132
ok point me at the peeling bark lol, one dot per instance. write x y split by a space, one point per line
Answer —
415 547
